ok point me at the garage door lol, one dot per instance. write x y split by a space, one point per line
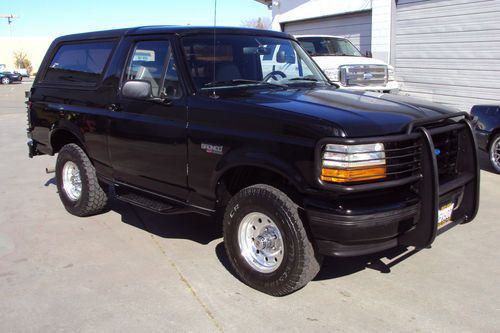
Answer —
448 51
356 27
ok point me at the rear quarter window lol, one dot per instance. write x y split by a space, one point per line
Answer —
79 63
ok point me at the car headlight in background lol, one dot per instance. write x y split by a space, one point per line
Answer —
391 76
332 74
353 163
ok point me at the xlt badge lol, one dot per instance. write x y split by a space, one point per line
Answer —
212 149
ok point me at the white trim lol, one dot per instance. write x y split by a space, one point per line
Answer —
320 8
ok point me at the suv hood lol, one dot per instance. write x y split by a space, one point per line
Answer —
357 114
327 62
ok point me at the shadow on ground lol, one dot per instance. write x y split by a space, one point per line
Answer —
194 227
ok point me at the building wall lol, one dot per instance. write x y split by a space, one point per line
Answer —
448 51
34 47
382 29
295 10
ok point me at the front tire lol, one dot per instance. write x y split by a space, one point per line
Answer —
77 182
5 80
494 153
266 241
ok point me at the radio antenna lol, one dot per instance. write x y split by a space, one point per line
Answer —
214 95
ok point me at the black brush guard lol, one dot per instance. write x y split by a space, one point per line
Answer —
462 188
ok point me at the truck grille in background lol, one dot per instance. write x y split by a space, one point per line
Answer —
363 75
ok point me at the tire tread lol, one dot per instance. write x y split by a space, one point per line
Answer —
96 199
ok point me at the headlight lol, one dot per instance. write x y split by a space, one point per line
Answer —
390 73
333 74
353 163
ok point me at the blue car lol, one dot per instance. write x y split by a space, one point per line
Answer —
488 132
8 77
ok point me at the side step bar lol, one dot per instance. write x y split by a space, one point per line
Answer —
155 202
145 202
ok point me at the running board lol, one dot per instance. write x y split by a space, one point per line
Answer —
155 202
146 203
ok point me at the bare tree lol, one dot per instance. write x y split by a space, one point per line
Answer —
258 23
21 61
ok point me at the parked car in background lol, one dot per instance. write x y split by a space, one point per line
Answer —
488 131
346 66
23 72
9 77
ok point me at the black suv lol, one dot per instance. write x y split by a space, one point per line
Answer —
243 122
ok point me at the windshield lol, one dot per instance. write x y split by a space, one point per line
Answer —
246 61
329 46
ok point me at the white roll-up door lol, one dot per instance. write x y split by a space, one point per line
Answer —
448 51
357 27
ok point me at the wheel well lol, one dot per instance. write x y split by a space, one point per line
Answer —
61 138
241 177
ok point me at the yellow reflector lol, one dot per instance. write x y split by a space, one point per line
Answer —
352 175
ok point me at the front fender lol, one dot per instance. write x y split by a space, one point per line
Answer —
261 159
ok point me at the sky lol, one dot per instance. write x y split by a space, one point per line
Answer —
52 18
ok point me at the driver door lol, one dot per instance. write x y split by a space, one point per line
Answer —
148 142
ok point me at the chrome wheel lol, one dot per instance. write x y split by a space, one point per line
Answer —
260 242
495 153
5 80
72 183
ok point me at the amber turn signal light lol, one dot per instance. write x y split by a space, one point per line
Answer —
352 175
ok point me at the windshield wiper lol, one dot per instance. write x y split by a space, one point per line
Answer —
304 79
237 82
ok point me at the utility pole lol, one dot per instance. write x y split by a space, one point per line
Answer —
9 18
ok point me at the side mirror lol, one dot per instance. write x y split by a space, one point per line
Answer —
281 57
137 89
368 54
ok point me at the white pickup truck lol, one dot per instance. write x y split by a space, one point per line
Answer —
344 64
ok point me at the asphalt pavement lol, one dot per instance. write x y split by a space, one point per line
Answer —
129 270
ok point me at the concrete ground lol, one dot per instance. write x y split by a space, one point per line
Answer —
129 270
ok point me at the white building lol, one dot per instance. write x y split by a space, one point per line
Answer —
447 51
33 47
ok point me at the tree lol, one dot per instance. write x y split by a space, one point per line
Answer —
258 23
21 61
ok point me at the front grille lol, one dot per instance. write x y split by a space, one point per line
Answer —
402 159
363 75
446 150
406 155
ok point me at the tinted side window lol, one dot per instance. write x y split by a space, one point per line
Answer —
154 61
82 63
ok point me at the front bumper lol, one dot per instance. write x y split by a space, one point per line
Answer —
369 218
390 87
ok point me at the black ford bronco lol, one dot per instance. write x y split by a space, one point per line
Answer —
243 122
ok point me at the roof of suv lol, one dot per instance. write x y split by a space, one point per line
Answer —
166 29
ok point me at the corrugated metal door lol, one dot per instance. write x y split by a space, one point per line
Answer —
357 27
448 51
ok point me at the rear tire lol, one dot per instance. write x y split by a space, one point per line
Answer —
266 241
494 153
5 80
77 182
